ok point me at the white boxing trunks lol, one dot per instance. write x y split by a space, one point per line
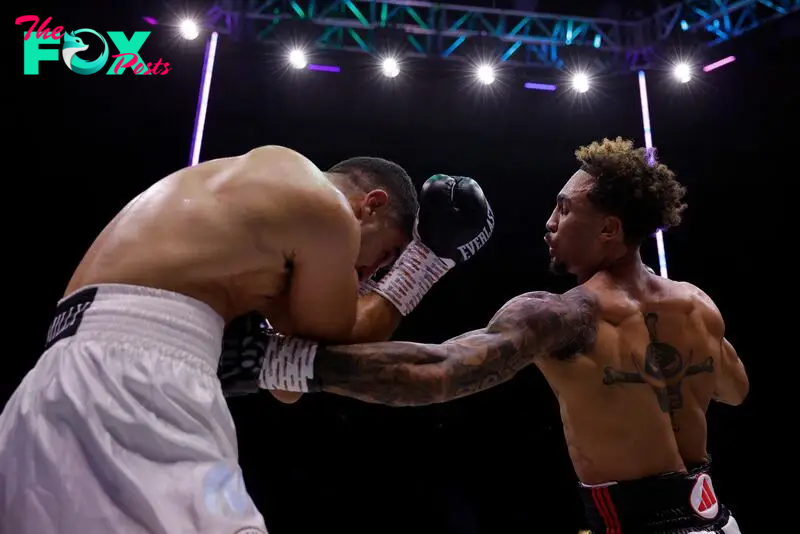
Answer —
121 427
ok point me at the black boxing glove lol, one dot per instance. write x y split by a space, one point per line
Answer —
454 219
243 348
254 356
453 223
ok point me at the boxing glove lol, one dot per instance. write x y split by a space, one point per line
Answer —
453 223
244 345
254 356
454 219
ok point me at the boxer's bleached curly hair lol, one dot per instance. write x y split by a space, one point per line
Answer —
632 185
367 173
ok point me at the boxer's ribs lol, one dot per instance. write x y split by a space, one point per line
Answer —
407 374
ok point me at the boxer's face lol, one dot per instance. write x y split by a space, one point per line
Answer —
381 239
575 228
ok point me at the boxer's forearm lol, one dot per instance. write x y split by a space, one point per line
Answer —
412 374
415 374
376 320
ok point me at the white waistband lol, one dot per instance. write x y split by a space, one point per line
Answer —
151 316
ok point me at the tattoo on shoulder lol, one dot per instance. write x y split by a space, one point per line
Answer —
664 370
560 326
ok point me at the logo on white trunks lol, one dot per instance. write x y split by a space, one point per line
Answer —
225 494
703 499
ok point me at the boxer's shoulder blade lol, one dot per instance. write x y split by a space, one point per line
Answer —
652 373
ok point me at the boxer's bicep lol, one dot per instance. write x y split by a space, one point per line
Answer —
534 325
324 285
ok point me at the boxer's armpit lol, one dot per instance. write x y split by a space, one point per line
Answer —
408 374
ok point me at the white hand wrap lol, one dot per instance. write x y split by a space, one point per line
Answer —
412 275
367 286
288 364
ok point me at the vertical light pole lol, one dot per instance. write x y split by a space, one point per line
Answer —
202 102
648 143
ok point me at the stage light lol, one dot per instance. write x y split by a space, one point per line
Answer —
150 20
202 102
718 64
390 67
580 82
682 72
324 68
189 29
540 86
297 59
485 74
648 143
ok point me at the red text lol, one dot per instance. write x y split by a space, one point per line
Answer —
43 32
133 59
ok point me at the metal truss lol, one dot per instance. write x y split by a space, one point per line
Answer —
448 31
716 21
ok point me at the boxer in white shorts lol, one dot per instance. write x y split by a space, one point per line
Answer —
122 425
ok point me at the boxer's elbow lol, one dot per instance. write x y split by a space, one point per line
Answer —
734 387
738 392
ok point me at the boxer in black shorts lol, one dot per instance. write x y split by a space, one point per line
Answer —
634 359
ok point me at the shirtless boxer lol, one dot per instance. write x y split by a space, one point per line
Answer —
122 425
633 358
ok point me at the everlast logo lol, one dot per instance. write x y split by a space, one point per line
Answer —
472 247
69 315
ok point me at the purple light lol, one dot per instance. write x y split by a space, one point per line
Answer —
540 86
324 68
648 143
202 103
717 64
150 20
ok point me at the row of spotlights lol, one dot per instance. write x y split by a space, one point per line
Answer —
391 69
485 73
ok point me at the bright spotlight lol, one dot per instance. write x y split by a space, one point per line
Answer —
682 72
390 67
189 29
485 74
580 82
297 59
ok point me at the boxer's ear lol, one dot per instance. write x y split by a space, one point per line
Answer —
375 199
612 228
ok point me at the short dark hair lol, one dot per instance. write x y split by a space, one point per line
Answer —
632 185
366 174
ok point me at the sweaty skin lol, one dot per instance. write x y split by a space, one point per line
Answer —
634 367
265 231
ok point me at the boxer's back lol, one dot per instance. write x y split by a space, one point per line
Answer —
191 232
636 405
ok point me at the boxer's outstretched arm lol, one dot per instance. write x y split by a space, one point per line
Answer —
408 374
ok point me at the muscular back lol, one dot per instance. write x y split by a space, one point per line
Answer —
634 404
225 232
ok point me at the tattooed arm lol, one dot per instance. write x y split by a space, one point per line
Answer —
408 374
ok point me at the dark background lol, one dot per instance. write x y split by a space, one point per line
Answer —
81 146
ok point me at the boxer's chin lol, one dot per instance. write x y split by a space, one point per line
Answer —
558 267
